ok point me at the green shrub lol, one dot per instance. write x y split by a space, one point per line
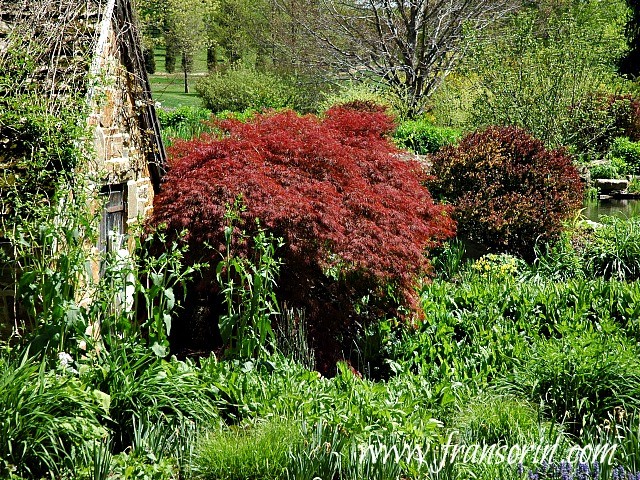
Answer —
422 137
508 191
597 120
628 152
634 185
612 168
129 466
239 88
242 116
474 328
580 377
183 122
182 116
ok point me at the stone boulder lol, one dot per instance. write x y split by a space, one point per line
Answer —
609 185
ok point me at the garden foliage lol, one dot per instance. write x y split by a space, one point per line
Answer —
359 92
508 190
599 119
580 378
183 122
422 137
240 88
545 60
613 167
37 146
353 215
611 250
628 152
46 416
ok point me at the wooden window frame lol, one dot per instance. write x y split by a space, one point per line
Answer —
114 213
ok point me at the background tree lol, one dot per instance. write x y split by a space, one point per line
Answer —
244 30
407 45
630 62
259 34
542 64
186 30
183 25
151 16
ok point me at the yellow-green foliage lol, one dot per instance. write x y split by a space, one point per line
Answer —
497 266
252 452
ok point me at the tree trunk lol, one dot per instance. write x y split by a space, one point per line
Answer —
212 58
185 69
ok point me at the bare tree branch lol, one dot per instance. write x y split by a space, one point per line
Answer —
408 45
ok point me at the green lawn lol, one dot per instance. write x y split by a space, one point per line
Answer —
168 89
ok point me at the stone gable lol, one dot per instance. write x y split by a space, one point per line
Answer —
92 48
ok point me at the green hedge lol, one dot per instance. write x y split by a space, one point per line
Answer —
238 89
422 137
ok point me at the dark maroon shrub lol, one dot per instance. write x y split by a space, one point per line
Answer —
508 191
338 193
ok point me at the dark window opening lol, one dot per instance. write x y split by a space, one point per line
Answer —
114 218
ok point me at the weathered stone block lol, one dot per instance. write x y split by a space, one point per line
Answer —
608 185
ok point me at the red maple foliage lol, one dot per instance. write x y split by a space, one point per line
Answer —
334 188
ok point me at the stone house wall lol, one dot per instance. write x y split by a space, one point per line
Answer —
128 155
120 157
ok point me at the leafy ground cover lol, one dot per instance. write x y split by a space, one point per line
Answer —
506 354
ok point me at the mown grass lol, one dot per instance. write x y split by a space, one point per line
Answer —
168 88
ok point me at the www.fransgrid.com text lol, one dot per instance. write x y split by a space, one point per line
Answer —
449 453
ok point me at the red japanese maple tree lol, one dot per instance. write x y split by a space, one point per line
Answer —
334 188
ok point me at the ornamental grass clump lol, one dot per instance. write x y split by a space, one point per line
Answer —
508 191
49 420
579 378
354 216
612 249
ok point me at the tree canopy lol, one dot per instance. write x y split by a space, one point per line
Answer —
408 46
